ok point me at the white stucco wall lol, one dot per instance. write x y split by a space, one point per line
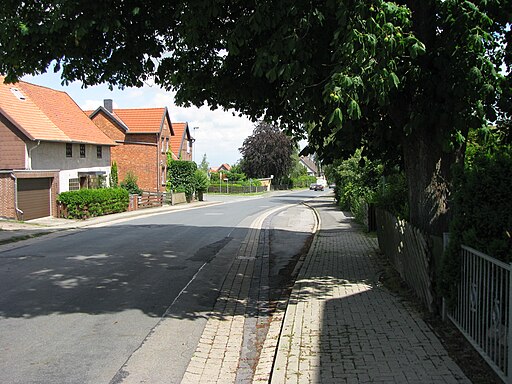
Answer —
53 156
66 175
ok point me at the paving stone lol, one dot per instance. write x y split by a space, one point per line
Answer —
359 331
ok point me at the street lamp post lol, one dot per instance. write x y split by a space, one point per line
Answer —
193 149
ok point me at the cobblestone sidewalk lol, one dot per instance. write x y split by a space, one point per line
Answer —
340 327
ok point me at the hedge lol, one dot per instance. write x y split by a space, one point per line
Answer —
86 203
482 217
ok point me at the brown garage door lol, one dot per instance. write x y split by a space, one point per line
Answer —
34 197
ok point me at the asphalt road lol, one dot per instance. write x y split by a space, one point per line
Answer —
76 308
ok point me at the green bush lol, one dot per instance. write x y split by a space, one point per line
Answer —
201 181
392 195
181 176
360 181
357 180
303 181
114 176
86 203
482 217
130 184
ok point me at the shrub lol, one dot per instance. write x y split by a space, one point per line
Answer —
181 176
357 180
482 217
303 181
86 203
114 176
392 195
130 184
201 181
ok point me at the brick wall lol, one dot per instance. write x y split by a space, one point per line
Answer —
7 209
108 127
141 160
166 136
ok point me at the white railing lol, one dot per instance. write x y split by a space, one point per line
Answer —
483 309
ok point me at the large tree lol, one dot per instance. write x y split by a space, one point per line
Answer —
405 79
267 152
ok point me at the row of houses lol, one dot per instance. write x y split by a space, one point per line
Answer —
48 145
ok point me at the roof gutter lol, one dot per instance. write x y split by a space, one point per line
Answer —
30 153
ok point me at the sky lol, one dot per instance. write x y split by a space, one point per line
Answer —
219 134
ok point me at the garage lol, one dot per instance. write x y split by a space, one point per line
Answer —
34 197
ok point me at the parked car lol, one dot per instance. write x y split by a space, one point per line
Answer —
316 187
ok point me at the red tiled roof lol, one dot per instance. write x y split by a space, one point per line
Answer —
47 114
141 120
224 166
177 139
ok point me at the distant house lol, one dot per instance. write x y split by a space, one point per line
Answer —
143 136
310 165
224 167
182 142
47 146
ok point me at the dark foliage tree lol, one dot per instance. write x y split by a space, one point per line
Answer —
268 151
404 79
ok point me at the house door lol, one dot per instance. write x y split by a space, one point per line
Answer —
84 182
34 197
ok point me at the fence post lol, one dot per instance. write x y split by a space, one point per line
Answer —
509 333
446 242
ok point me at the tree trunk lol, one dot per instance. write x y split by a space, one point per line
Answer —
428 171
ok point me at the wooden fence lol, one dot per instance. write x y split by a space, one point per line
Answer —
155 199
409 251
236 189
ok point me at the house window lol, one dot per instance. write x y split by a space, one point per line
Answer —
167 145
16 92
74 184
69 150
99 151
163 176
82 150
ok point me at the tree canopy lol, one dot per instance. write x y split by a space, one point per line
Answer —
405 80
268 151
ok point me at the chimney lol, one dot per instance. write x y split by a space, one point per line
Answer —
108 104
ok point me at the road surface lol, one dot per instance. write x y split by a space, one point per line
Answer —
75 308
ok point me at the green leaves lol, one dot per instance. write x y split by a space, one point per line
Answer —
23 29
353 110
336 118
181 176
394 79
417 49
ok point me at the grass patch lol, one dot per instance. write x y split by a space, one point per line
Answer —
23 237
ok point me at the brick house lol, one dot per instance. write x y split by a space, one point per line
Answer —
143 136
182 142
47 146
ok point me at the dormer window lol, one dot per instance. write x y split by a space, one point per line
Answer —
16 92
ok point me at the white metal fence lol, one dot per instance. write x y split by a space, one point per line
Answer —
483 309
